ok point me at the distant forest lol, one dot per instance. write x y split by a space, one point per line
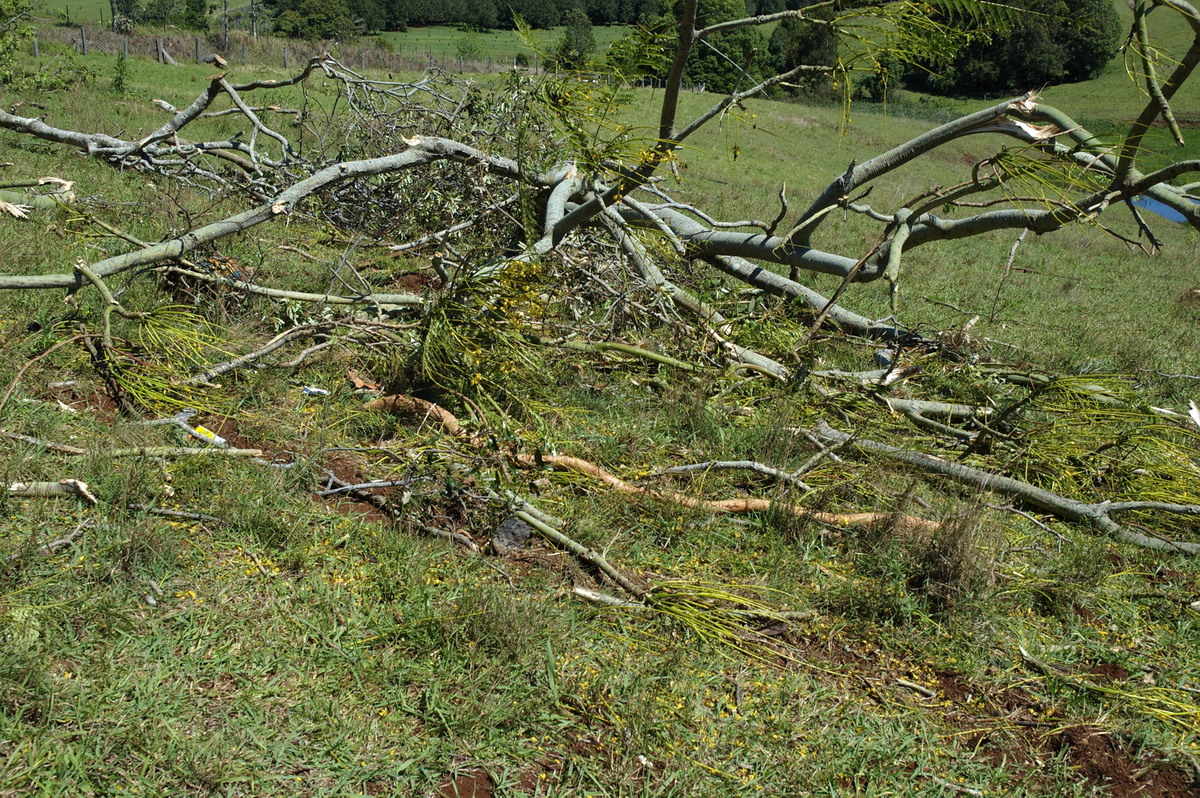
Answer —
492 14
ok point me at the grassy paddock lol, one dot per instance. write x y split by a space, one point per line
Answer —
443 43
411 51
289 646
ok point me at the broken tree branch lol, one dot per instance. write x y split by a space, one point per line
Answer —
1095 515
742 465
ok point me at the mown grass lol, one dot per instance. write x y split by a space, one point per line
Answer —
298 647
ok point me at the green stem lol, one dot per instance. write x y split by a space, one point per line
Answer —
600 347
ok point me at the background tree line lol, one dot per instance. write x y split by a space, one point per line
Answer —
314 18
1044 42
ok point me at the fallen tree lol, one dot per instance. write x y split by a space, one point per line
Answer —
536 185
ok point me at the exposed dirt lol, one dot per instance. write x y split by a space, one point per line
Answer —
86 398
475 784
413 282
1107 673
349 467
1108 762
1014 728
1162 575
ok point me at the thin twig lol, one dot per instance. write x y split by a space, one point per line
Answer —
52 546
745 465
25 367
307 331
57 447
182 515
258 564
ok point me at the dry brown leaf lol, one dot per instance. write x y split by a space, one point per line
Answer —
359 382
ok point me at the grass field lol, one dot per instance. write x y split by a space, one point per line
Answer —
280 643
501 45
78 11
441 41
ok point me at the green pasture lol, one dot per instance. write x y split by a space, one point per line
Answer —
78 11
444 43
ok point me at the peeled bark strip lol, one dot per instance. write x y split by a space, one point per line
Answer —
64 488
739 505
401 403
745 465
404 404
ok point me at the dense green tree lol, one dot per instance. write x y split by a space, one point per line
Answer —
1090 37
195 15
14 29
797 42
163 12
534 13
429 12
601 12
577 42
371 15
878 84
314 19
487 14
632 12
125 13
480 15
1052 41
726 61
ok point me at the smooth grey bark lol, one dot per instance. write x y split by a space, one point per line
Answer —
423 151
858 175
1096 515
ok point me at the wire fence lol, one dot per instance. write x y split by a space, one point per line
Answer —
237 47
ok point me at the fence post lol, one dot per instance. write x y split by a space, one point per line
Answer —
285 63
37 49
243 53
197 40
83 40
362 59
125 46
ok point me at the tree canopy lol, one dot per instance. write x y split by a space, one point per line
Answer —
1049 42
577 43
806 42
